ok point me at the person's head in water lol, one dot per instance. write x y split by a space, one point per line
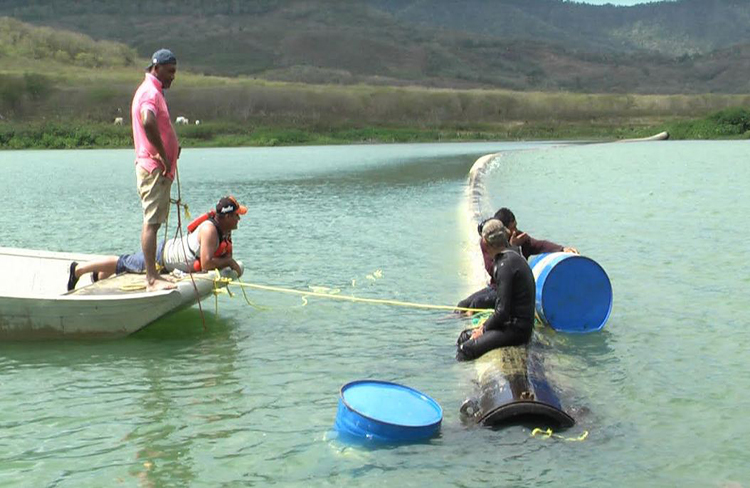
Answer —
163 66
505 216
495 235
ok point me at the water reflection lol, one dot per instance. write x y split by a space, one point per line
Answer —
187 401
153 397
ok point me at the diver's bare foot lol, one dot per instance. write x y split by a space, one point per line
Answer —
159 284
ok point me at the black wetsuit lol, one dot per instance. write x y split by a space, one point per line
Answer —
485 298
513 319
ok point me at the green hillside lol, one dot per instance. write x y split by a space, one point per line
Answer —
63 89
23 42
687 46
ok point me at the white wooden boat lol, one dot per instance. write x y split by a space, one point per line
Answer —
35 303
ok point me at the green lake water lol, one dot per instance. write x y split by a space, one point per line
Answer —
250 401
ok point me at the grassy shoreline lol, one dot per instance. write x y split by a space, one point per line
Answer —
55 106
727 124
98 136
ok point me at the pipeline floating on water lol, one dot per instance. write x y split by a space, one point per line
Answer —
511 383
661 136
512 388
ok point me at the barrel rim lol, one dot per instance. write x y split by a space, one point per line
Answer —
382 422
563 255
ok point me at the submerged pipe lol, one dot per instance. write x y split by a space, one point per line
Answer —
512 387
511 382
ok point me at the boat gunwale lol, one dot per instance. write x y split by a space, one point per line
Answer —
73 297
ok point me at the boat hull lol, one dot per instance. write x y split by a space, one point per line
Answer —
38 306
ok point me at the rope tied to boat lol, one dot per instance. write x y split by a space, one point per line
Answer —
308 293
178 232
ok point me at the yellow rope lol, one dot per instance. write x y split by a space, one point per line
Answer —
548 433
258 307
133 287
379 301
216 294
217 279
178 232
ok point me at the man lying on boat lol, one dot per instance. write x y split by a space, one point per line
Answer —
512 321
207 245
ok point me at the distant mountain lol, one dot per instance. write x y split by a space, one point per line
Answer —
687 46
670 28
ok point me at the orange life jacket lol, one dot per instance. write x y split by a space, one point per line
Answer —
225 242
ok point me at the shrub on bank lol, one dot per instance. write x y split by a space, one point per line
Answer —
733 122
56 135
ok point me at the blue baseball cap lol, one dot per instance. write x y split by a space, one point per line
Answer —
162 56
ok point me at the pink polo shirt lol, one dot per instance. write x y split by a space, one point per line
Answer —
150 96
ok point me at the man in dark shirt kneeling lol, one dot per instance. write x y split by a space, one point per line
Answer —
513 319
519 240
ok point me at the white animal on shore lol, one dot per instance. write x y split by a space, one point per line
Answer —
181 120
197 122
118 120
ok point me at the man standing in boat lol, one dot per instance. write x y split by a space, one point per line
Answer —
156 153
519 240
512 321
207 246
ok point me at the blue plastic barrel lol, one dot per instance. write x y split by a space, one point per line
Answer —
573 293
380 411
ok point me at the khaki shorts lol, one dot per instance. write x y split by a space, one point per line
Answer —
153 188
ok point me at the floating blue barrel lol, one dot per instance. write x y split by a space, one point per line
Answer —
386 412
573 293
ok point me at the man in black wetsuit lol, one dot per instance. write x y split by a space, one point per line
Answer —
513 319
519 240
